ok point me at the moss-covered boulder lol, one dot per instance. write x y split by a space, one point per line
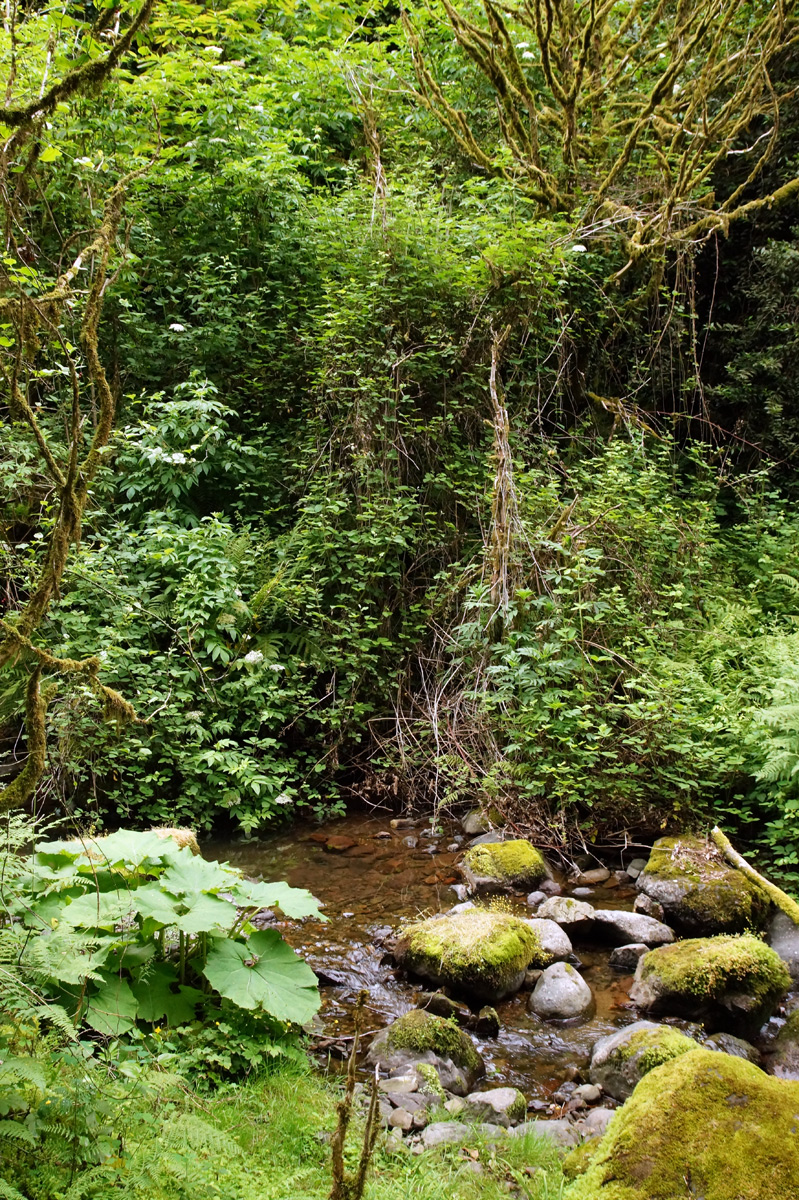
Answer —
620 1060
699 892
418 1040
729 983
703 1124
503 867
476 952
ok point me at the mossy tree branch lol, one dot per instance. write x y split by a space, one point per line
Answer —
73 466
624 111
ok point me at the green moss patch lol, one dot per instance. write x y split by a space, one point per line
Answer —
707 968
703 1124
654 1047
420 1031
512 864
478 952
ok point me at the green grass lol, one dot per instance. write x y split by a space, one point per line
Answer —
278 1121
263 1140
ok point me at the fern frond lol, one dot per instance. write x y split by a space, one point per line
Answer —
7 1192
14 1132
188 1130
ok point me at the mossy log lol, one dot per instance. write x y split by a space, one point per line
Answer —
777 895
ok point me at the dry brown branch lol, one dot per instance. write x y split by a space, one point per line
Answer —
347 1186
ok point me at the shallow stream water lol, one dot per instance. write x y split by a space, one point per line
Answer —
384 878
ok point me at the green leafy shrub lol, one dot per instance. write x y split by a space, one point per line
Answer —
132 930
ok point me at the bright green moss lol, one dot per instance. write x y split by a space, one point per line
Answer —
477 951
707 968
432 1083
654 1047
714 895
516 863
703 1124
578 1160
420 1031
518 1109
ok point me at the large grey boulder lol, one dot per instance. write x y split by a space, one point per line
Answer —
451 1133
474 951
554 941
575 916
623 928
620 1060
420 1038
700 892
783 936
501 1106
514 866
702 1125
561 994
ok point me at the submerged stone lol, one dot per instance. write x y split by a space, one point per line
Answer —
503 866
620 1061
730 983
704 1125
699 892
477 952
419 1039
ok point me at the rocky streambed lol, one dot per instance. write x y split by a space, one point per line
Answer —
500 992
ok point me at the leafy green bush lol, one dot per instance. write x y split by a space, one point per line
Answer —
132 929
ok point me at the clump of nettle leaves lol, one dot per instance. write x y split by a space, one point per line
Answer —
131 935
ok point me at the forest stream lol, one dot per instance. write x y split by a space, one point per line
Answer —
371 880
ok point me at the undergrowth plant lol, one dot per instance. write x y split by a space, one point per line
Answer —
131 930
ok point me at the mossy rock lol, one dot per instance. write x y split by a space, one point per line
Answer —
504 867
699 891
419 1040
703 1124
730 983
620 1060
476 952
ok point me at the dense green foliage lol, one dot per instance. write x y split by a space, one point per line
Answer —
289 563
351 449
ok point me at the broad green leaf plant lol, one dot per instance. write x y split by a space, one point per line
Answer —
131 930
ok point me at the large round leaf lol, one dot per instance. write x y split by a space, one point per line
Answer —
263 973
